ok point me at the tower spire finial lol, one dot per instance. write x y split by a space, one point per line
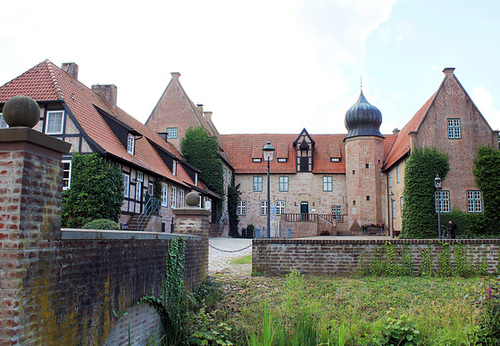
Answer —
361 83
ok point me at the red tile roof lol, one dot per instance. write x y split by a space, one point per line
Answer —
47 82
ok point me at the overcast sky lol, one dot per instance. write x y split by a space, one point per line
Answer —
266 66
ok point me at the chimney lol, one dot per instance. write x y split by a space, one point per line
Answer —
108 92
70 68
448 70
200 107
208 116
395 131
175 75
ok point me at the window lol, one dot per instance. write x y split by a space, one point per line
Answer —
393 204
389 177
130 144
474 202
66 174
151 189
335 159
138 191
164 194
281 160
3 124
367 165
257 184
241 208
182 199
225 175
280 207
454 128
337 211
196 179
256 160
444 201
327 183
401 206
171 132
263 207
174 167
173 197
140 176
126 184
367 198
283 184
397 174
54 123
353 171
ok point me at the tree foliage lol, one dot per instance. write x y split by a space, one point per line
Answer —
487 173
233 196
96 191
202 151
419 215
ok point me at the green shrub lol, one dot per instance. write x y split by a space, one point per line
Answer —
101 224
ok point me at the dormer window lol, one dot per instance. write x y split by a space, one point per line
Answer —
54 123
130 144
171 132
196 179
174 167
335 159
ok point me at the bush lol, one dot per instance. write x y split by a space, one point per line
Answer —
101 224
248 232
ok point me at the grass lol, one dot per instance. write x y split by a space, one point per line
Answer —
243 260
350 311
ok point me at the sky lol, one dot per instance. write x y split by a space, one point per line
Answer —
266 66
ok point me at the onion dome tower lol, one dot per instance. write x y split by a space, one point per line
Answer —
363 119
364 160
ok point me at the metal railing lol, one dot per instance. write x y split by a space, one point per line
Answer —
299 217
223 220
152 206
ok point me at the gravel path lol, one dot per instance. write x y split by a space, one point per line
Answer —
218 256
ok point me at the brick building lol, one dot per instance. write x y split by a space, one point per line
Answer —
350 180
91 121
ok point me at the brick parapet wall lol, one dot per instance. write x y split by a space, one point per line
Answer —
342 256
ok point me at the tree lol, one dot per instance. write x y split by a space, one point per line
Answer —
233 196
202 151
487 173
96 191
419 213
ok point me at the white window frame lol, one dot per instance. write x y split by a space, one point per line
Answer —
263 207
241 208
174 167
393 206
139 176
196 179
55 129
389 177
397 174
256 160
130 144
258 182
401 202
173 197
283 184
3 124
126 185
327 183
68 178
138 191
474 201
282 159
337 211
172 132
182 198
445 201
151 189
280 207
164 194
454 128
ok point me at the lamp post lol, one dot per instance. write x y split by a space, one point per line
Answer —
437 185
268 153
392 214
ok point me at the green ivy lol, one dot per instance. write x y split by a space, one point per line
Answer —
426 267
419 215
233 196
96 191
444 261
202 151
406 260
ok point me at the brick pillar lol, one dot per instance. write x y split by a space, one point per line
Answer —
195 221
30 219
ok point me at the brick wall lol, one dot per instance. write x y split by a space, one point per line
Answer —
342 257
62 287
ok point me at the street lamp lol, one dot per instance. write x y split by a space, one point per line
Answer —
392 214
268 153
437 185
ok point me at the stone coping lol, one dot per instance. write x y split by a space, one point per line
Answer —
26 134
89 234
375 241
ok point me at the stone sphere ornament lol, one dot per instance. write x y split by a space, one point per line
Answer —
193 199
21 111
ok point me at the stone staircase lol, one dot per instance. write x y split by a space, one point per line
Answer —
132 223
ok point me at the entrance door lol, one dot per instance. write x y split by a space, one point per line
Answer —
304 210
